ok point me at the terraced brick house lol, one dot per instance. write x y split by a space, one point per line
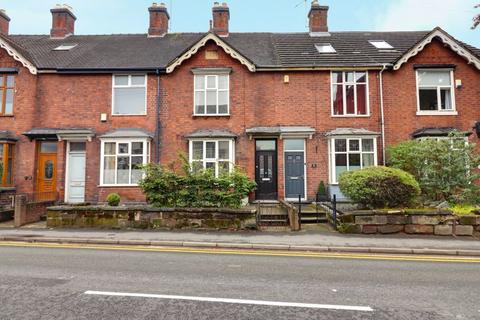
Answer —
80 113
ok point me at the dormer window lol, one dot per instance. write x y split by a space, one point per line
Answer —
381 44
325 48
65 47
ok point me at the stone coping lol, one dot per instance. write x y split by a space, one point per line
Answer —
423 212
148 209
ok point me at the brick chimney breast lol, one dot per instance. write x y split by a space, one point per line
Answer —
4 22
318 17
159 19
221 17
63 21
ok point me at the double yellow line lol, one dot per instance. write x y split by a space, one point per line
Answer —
268 253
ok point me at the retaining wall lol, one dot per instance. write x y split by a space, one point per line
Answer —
145 217
437 222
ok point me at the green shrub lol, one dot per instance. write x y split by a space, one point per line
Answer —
165 187
322 190
113 199
380 187
441 167
463 209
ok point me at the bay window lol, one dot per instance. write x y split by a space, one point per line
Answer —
211 94
7 84
350 93
435 91
217 155
122 161
6 164
349 154
129 95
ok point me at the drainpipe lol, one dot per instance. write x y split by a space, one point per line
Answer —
382 113
158 127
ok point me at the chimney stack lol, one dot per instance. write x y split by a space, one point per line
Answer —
4 22
221 16
318 17
63 21
159 18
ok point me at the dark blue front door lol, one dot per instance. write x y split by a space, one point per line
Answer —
294 175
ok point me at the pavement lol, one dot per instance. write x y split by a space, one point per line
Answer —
294 241
59 283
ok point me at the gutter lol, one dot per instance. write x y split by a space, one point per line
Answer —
382 113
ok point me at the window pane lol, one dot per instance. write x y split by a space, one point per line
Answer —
262 145
340 165
294 144
137 148
337 99
349 77
354 161
77 146
368 160
428 99
211 82
210 150
129 101
223 82
137 172
197 149
367 145
109 170
123 166
138 80
9 179
121 80
123 148
223 102
350 99
223 167
1 163
361 77
224 150
1 99
48 147
109 148
354 145
361 99
434 78
211 102
200 102
199 82
2 77
340 145
9 102
197 166
337 77
446 96
10 81
210 165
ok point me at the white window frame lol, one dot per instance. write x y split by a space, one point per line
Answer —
285 150
344 92
325 48
216 160
195 90
438 112
145 155
332 153
114 86
381 44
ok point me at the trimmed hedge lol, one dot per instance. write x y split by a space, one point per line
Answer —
380 187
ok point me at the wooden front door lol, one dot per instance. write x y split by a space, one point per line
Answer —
47 171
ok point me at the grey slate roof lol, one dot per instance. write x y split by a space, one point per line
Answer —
265 50
56 132
6 135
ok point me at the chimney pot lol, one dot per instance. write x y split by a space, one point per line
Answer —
159 18
221 17
318 17
63 21
4 22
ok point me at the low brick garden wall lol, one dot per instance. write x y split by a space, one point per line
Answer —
437 222
145 217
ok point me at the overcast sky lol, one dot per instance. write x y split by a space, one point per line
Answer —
131 16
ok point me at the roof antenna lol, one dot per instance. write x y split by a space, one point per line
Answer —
171 16
306 12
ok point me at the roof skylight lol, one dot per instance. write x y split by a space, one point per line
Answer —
66 47
325 48
380 44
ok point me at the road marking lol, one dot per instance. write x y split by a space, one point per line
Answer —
233 301
275 253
